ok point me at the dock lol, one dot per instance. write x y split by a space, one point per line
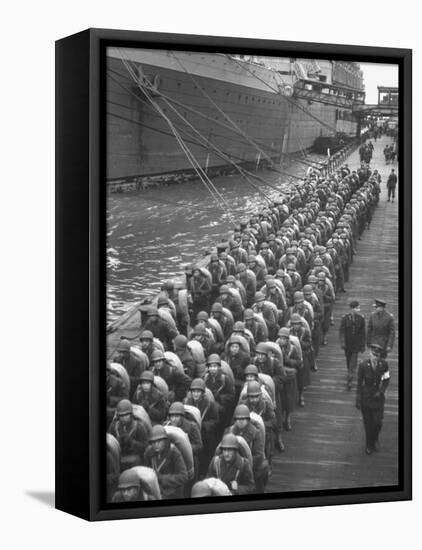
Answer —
325 449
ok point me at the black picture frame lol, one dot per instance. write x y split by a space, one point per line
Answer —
80 272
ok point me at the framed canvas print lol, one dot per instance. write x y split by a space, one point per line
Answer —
233 268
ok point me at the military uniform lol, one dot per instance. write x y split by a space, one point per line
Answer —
373 380
381 330
170 469
238 470
352 340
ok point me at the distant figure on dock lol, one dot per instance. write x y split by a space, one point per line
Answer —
381 329
352 338
391 185
373 380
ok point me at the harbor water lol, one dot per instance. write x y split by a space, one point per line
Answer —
154 233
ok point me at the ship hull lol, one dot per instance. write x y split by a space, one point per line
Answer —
210 101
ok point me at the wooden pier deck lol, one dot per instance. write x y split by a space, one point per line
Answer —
325 449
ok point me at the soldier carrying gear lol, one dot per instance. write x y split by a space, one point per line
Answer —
177 417
234 470
177 382
131 434
129 488
133 365
221 387
238 359
167 462
151 398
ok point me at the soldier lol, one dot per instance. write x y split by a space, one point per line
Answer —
248 278
177 418
268 310
160 328
259 330
304 336
391 185
255 402
218 274
200 290
151 399
352 338
185 355
146 340
167 462
254 436
132 364
238 359
129 488
131 435
224 318
373 380
231 301
221 387
177 382
381 329
292 363
234 470
209 418
116 391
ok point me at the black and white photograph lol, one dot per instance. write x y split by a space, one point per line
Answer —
252 275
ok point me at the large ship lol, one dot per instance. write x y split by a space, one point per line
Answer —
172 112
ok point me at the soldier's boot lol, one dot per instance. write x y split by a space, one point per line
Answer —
301 401
287 423
279 441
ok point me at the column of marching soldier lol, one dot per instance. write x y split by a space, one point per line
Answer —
196 407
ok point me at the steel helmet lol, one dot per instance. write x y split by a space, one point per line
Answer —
241 267
124 407
146 335
128 479
229 441
241 411
298 297
147 376
199 329
251 369
158 432
295 319
201 489
202 316
214 358
248 314
214 257
169 285
312 279
177 408
198 384
270 283
307 289
261 348
152 312
224 290
259 297
291 267
124 345
216 307
239 326
235 339
252 260
162 300
180 341
284 332
231 279
254 388
157 355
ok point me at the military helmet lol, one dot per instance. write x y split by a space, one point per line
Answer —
128 479
152 312
124 407
147 376
307 289
231 279
241 267
229 441
180 341
261 348
214 358
298 297
202 316
177 408
124 345
312 279
169 284
251 369
216 307
200 330
284 332
291 267
224 290
259 296
158 432
248 314
198 384
254 388
235 339
146 335
241 411
239 326
157 355
295 319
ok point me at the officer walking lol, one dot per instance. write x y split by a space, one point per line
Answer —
381 329
373 380
391 185
352 338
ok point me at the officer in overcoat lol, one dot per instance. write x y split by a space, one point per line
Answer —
381 329
352 338
373 380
